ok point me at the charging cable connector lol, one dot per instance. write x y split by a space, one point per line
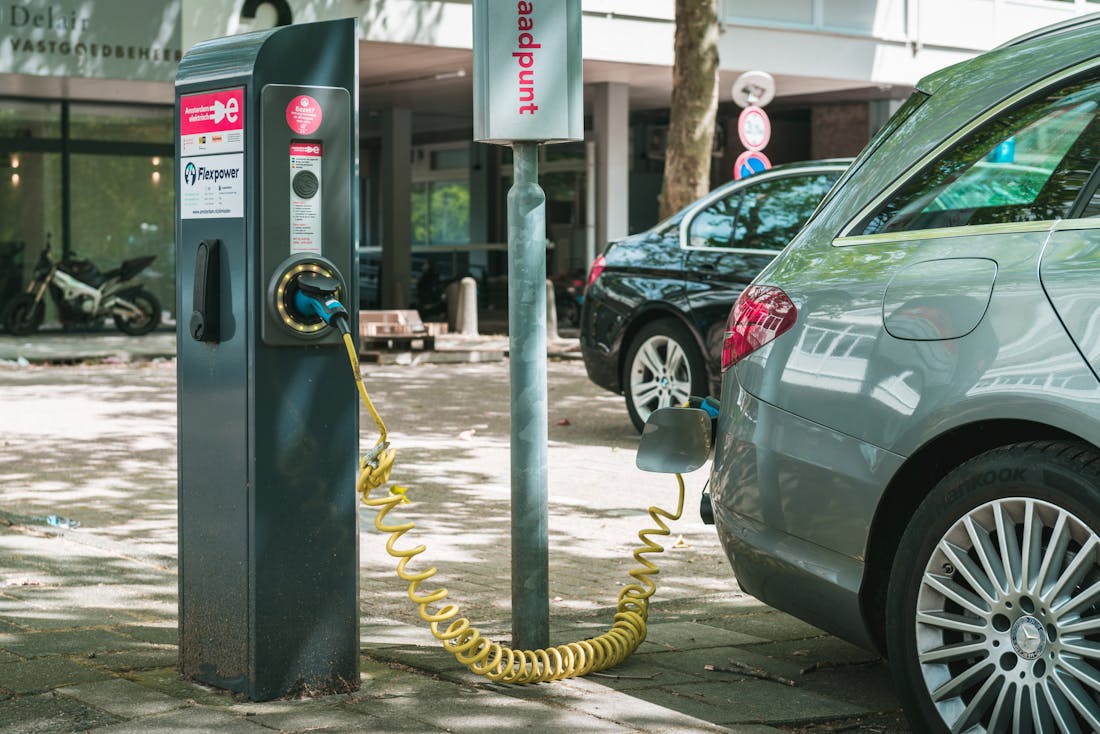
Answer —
316 296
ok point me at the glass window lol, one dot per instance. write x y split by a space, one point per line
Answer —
800 12
30 120
30 215
449 213
418 211
713 227
133 216
764 216
772 213
440 212
1028 164
447 158
851 14
117 122
563 152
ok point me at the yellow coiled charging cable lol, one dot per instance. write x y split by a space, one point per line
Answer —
458 636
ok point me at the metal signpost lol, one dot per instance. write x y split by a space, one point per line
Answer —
527 91
752 91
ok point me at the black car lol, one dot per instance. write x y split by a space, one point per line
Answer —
656 304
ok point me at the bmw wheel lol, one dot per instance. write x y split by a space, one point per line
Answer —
663 368
994 602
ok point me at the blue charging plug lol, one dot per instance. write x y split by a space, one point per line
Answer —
316 296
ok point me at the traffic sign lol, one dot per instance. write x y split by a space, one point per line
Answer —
750 162
753 88
754 128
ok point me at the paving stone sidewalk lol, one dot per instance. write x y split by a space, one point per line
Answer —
88 614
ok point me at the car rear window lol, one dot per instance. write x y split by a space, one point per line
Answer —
762 215
911 105
1028 163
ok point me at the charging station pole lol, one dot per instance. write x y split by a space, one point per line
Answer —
527 91
527 379
268 419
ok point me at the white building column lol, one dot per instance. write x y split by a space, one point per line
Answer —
396 215
611 123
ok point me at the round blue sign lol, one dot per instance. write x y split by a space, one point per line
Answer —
750 162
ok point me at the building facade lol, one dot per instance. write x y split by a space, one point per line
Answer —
86 146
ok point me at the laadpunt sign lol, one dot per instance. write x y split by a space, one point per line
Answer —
525 57
527 70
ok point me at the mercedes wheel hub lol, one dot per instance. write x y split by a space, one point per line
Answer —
1029 639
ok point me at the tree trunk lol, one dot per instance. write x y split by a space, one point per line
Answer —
694 105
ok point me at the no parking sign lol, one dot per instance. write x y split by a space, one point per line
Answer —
750 162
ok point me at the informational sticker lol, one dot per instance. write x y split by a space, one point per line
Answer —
212 186
305 196
212 123
303 115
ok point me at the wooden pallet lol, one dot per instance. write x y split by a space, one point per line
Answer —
407 342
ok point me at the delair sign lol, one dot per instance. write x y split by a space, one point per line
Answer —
527 71
106 40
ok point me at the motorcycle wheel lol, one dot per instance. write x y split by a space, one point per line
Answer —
149 306
23 316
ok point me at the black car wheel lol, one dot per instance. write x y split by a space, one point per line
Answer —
23 316
994 602
663 368
149 318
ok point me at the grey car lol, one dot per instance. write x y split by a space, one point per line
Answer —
908 446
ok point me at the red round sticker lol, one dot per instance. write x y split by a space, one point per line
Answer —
303 114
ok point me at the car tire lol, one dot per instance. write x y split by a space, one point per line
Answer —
993 606
663 367
149 306
23 316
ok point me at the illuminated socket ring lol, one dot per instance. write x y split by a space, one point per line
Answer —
284 296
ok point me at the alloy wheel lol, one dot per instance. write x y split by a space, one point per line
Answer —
660 375
1008 620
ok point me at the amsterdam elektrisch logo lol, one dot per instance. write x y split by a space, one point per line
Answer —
190 174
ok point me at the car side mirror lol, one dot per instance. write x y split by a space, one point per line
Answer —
675 441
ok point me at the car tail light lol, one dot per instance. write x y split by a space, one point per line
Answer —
594 272
761 313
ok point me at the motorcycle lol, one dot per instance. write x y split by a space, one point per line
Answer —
84 296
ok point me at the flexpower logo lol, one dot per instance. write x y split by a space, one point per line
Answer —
193 173
212 186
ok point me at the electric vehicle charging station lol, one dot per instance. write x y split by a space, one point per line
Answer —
266 222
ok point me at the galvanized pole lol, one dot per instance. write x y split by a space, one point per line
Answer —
527 342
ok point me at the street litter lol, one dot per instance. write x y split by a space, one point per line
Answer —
750 670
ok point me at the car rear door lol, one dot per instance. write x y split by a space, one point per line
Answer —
731 236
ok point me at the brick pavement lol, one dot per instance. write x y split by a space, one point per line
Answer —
87 616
